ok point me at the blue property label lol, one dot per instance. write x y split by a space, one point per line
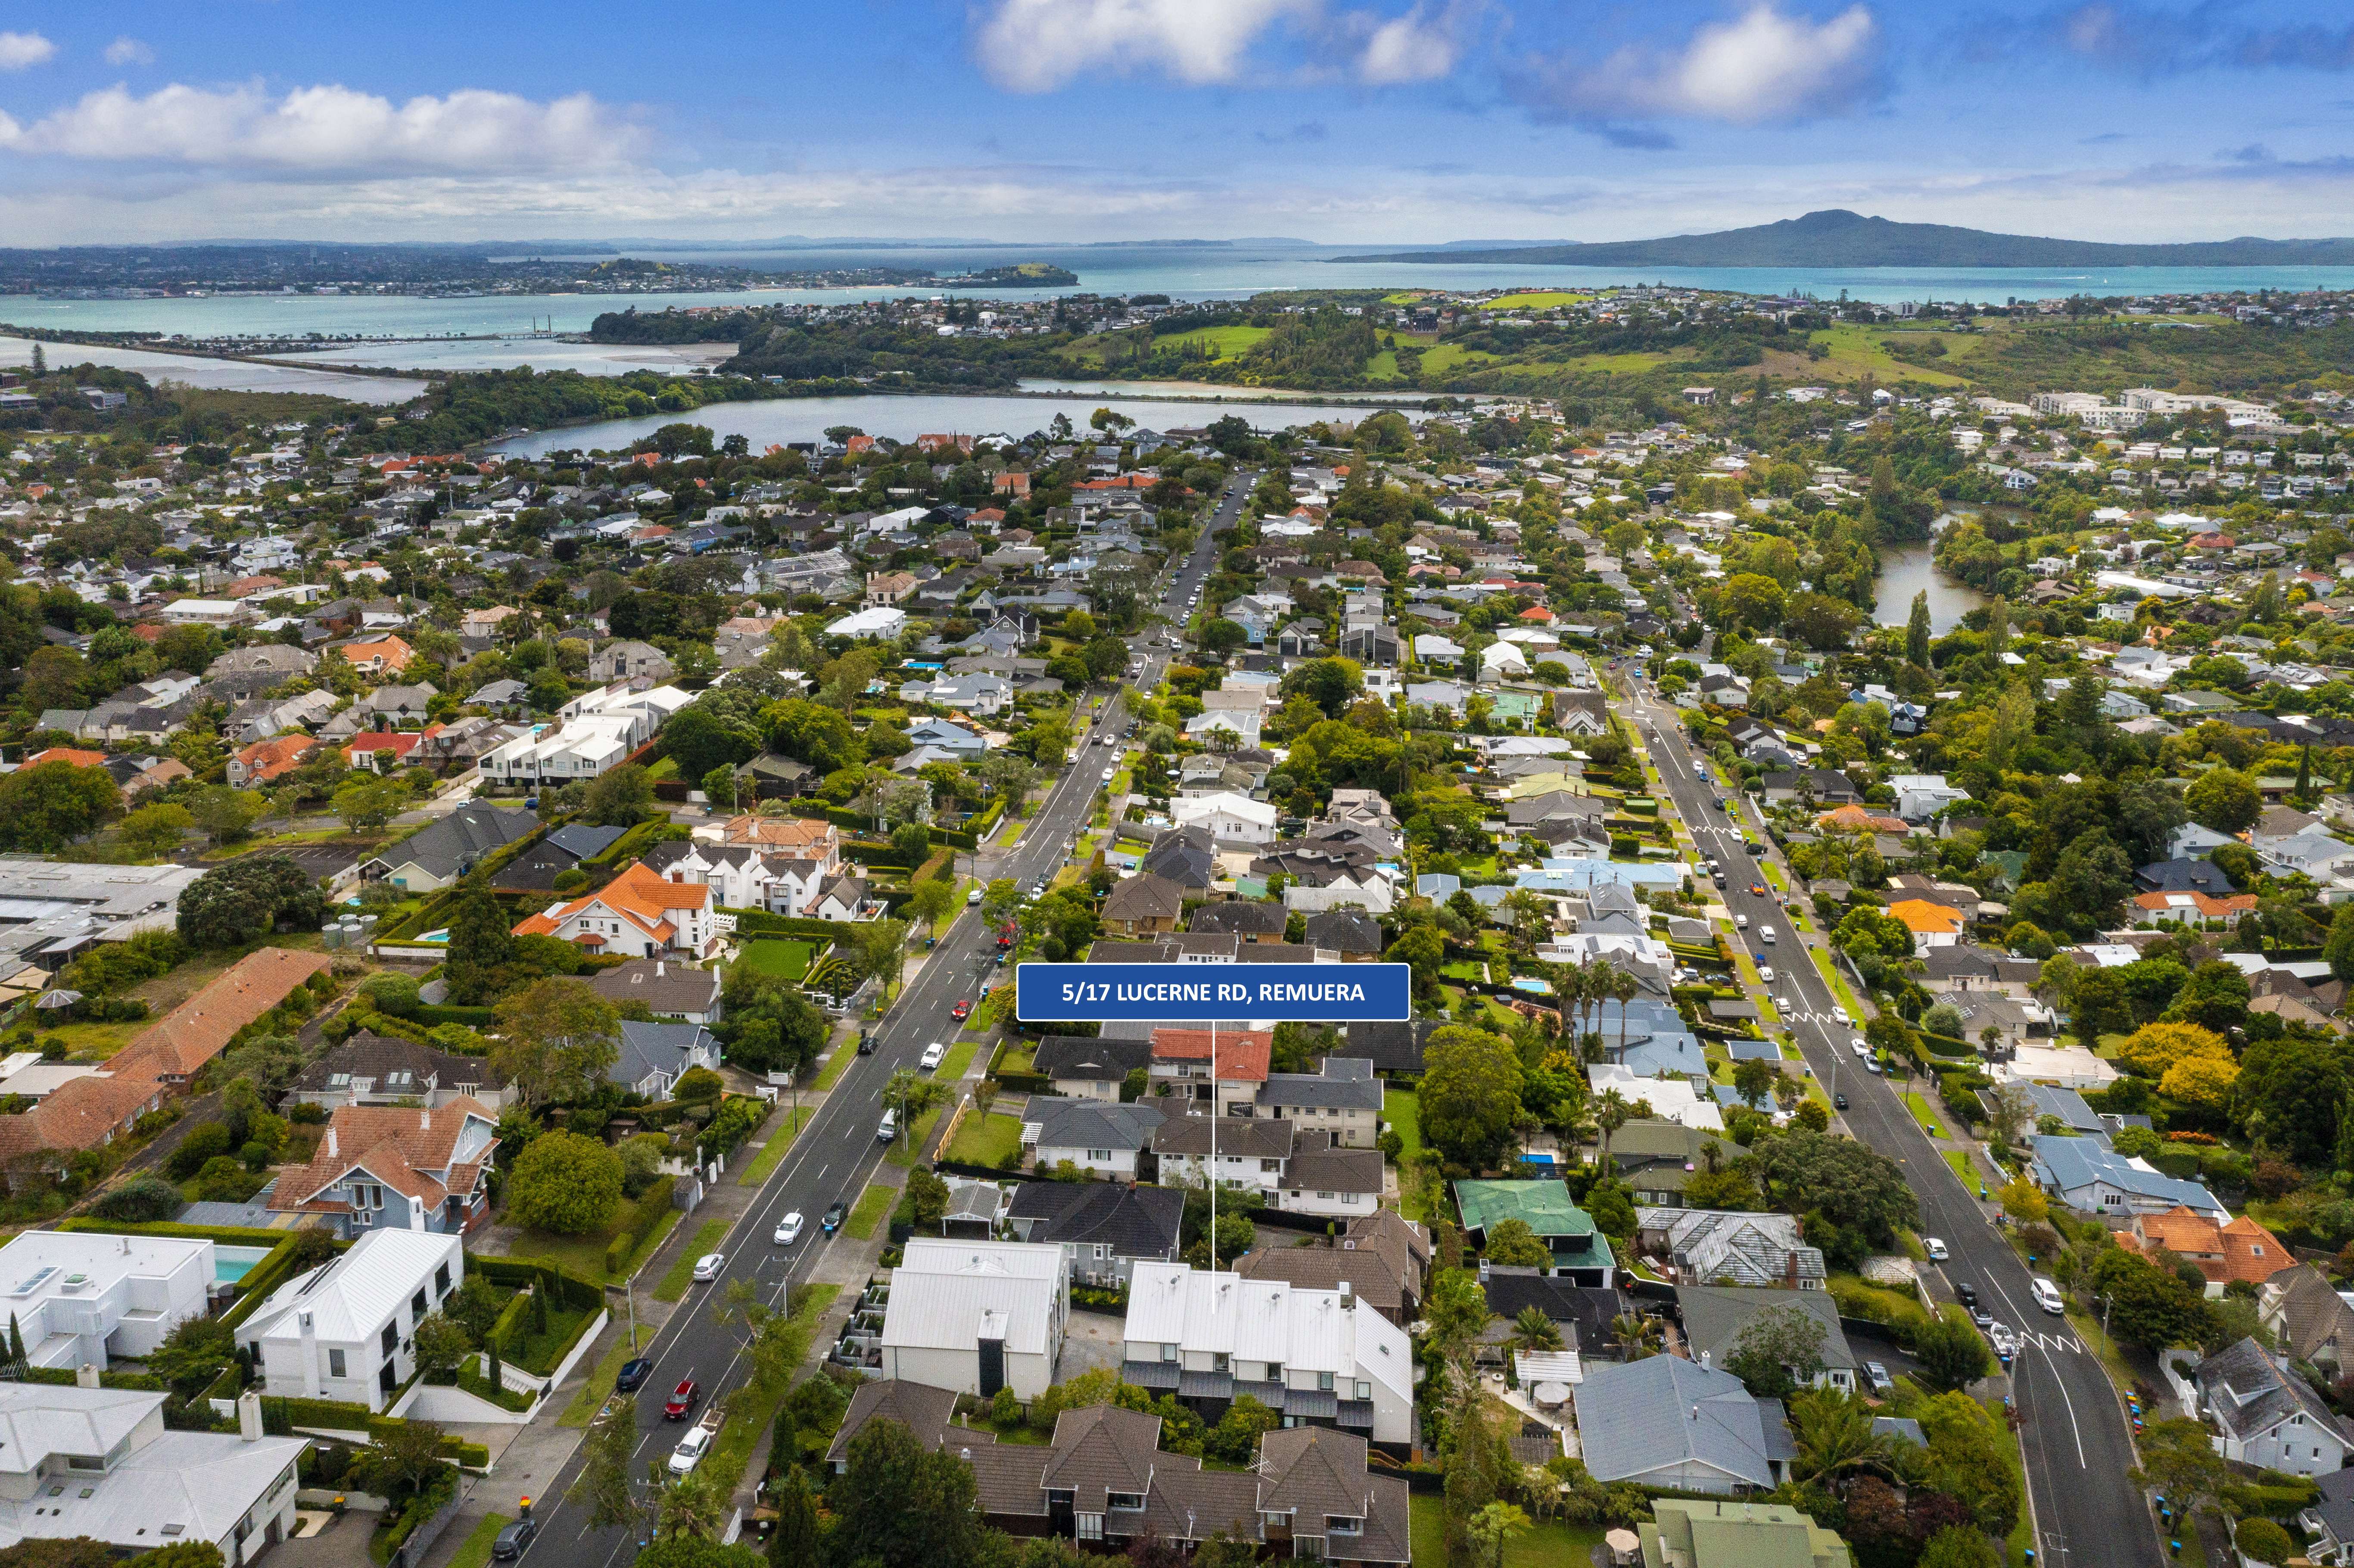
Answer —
1280 993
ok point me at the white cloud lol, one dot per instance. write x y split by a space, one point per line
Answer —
19 50
1416 46
1760 68
129 51
1036 46
329 128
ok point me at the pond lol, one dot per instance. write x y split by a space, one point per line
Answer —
1909 569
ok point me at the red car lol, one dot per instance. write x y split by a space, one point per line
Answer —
682 1400
962 1011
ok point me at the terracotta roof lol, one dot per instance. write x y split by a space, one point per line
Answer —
1857 819
65 754
778 833
1920 916
2207 904
1242 1054
199 1029
279 755
638 895
2241 1250
406 1147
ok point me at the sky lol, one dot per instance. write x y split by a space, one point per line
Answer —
1373 123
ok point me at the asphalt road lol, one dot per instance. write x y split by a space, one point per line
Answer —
2075 1438
838 1151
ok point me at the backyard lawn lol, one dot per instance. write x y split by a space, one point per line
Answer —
985 1140
681 1274
1401 1108
782 959
872 1204
1549 1545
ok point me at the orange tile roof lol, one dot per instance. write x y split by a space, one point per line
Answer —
1857 819
2209 906
2241 1250
280 754
197 1030
638 894
1920 916
407 1148
67 754
1242 1053
779 833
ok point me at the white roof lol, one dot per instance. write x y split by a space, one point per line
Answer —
103 1258
351 1297
1264 1320
1193 808
179 1486
944 1294
879 621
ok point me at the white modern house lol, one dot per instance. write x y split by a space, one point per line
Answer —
345 1330
1229 817
1923 795
1318 1356
79 1297
977 1316
98 1462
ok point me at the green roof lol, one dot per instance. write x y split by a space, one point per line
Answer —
1545 1206
1730 1534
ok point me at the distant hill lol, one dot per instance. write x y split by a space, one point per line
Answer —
1839 239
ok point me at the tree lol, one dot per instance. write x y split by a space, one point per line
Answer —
1495 1526
1851 1185
699 740
1780 1350
1966 1459
247 899
1753 1080
154 831
1833 1432
929 899
1470 1099
686 1549
2290 1095
1950 1353
896 1505
2215 997
622 797
1916 631
404 1459
368 803
442 1343
1425 951
883 948
2179 1460
1753 602
1512 1245
44 809
480 948
2225 799
227 815
693 1506
2024 1201
565 1183
557 1038
2203 1081
795 1541
2264 1540
2154 1048
1456 1310
720 788
2148 1306
1533 1331
1959 1546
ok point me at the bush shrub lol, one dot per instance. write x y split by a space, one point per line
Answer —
142 1198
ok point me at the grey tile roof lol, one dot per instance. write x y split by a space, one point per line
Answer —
1075 1056
1102 1449
655 1048
1330 1169
1715 1317
1244 918
1092 1124
456 841
2248 1390
1246 1137
1639 1418
1346 1082
665 985
1134 1221
382 1059
581 840
923 1410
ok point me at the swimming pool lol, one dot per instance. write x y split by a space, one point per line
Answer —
231 1263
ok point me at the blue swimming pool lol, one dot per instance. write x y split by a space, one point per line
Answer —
231 1263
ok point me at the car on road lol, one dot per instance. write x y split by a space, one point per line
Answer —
1860 1046
1765 973
1934 1248
888 1127
1967 1294
632 1373
1881 1383
1840 1013
974 896
1981 1316
1782 1004
789 1229
1757 890
934 1054
511 1542
834 1215
682 1400
865 1043
695 1446
708 1267
1108 773
2047 1295
1839 1101
961 1011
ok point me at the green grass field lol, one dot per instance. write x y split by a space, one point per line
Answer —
474 1552
872 1204
1960 1159
584 1257
1231 342
1855 352
780 1140
1923 1112
681 1274
960 1059
780 957
1548 1544
600 1386
1541 299
1447 357
1401 1108
985 1140
836 1063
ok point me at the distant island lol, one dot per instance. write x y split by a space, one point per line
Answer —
1841 238
1020 275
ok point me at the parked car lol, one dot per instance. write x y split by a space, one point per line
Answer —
1860 1046
1881 1383
934 1054
1934 1248
888 1127
1765 973
2047 1295
695 1446
961 1011
834 1215
973 896
1967 1294
511 1542
682 1400
865 1043
708 1267
633 1374
789 1229
1839 1101
1981 1316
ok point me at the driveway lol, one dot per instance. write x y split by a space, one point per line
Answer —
1093 1340
344 1543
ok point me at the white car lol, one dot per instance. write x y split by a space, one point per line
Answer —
691 1449
1840 1013
934 1054
1859 1045
708 1267
974 896
1934 1248
1108 773
789 1229
1782 1004
1765 973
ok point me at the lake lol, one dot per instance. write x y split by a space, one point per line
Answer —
904 419
1906 571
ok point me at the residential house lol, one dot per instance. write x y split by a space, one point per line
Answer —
1579 1249
1354 934
2093 1179
2269 1416
397 1166
346 1331
1090 1067
384 655
2328 1522
1345 1099
1932 924
1103 1137
536 866
1716 1247
1103 1227
2242 1250
2305 1314
628 659
637 915
267 761
679 993
1684 1533
1143 906
1316 1357
83 1298
655 1056
1716 1317
1229 817
1187 1081
977 1316
1656 1157
438 854
1669 1423
371 1069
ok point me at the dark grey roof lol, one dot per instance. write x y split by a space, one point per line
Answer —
665 985
1715 1317
1074 1056
1391 1047
1345 931
581 840
1246 1137
923 1410
1092 1124
1134 1221
655 1048
1369 1275
2248 1390
452 844
382 1059
1590 1310
1639 1417
1241 918
1332 1169
1346 1082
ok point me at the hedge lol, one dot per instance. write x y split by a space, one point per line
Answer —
562 1287
280 1414
863 821
2274 1500
433 913
472 1017
1946 1045
636 1221
65 1377
432 1498
760 923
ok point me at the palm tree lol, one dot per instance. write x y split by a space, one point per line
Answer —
1833 1430
1533 1331
1611 1112
1637 1335
1495 1526
1624 989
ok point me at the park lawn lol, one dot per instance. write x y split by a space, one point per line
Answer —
583 1257
1538 300
1382 366
765 1162
1855 352
474 1552
779 958
843 1055
1548 1544
872 1204
600 1386
985 1140
959 1060
1617 364
681 1273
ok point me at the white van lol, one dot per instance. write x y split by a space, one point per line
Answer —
1741 921
1766 935
2047 1295
888 1128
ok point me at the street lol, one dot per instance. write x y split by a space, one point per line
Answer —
2074 1438
837 1150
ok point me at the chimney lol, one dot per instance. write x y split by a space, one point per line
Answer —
1348 1296
330 1140
86 1375
249 1417
308 1323
425 1121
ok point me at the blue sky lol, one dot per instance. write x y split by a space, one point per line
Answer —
1360 121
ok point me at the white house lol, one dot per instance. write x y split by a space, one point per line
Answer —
77 1295
1237 1332
1923 795
1235 818
980 694
99 1463
346 1331
1102 1139
876 622
2312 851
2267 1415
638 915
1502 660
977 1316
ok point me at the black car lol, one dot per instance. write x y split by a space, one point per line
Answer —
632 1374
512 1540
865 1043
834 1216
1840 1101
1967 1294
